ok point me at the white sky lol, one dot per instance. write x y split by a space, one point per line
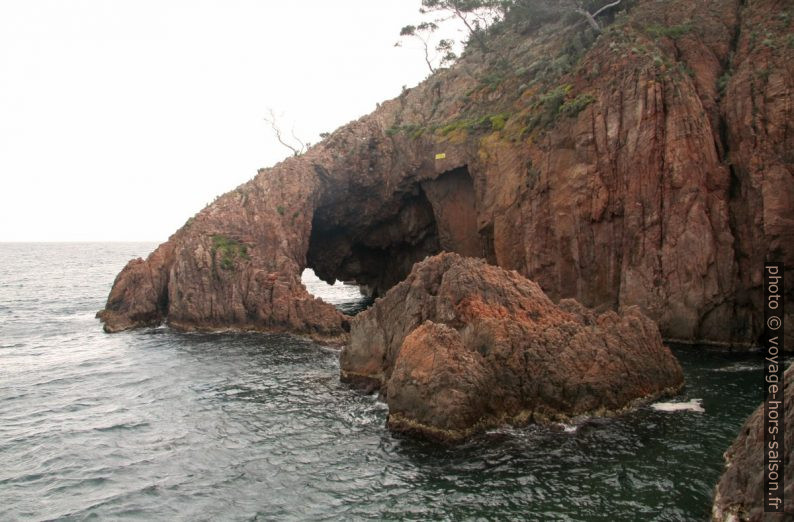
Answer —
119 119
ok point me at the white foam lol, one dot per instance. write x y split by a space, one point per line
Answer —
738 367
569 428
691 405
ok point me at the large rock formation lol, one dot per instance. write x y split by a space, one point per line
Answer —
649 165
460 346
740 493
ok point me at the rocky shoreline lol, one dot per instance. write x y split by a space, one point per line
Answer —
613 185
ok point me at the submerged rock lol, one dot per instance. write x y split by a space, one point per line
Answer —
461 346
740 493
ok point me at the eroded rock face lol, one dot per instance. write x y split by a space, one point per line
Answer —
460 346
235 265
438 386
653 168
740 493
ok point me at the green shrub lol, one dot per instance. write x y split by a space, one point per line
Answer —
492 80
753 39
686 69
669 31
488 122
552 100
225 252
576 105
561 65
498 121
451 127
658 61
412 130
483 123
533 175
722 82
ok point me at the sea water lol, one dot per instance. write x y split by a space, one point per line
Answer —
154 424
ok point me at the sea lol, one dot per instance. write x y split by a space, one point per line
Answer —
154 424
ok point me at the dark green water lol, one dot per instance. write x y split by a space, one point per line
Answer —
157 425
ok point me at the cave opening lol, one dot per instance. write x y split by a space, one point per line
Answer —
374 242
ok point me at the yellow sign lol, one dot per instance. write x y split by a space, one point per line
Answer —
441 155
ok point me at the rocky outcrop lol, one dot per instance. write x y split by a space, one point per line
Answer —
461 346
648 165
740 493
230 267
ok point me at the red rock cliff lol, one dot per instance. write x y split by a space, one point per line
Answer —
649 165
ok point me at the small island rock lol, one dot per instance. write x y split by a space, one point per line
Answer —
461 346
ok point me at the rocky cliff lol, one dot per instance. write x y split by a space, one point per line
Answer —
647 165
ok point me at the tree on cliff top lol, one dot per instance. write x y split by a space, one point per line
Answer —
422 32
480 16
475 15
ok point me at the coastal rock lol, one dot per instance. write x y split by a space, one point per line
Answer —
437 385
219 272
739 495
461 346
648 165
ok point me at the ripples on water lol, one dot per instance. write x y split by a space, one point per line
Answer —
158 425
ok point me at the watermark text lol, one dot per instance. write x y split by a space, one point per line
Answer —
773 387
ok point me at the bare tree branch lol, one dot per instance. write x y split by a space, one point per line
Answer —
608 6
303 145
417 32
591 17
427 55
475 33
272 121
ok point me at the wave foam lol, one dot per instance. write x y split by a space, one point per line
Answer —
691 405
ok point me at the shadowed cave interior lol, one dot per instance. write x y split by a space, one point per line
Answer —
421 220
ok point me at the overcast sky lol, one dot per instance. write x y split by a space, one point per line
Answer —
119 119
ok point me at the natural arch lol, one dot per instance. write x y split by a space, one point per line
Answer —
424 219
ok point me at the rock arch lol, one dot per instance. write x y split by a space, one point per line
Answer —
649 188
427 217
